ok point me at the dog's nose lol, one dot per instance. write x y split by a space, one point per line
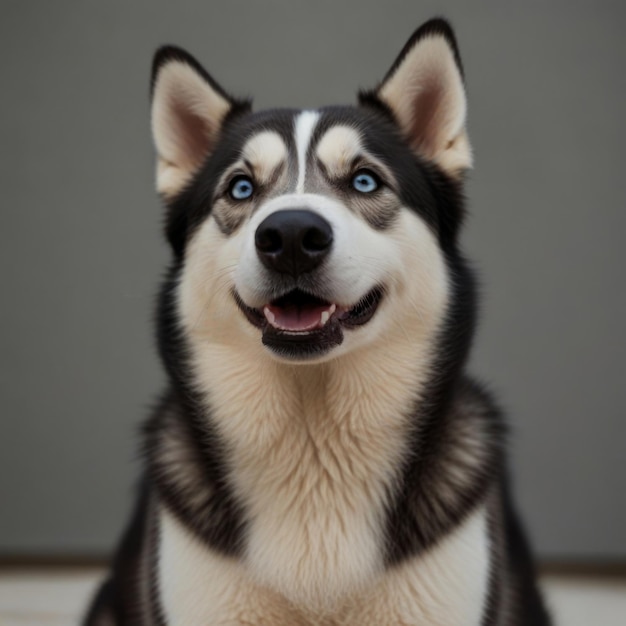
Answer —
294 241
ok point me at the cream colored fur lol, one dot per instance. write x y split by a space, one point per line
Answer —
264 159
314 448
341 147
266 151
446 586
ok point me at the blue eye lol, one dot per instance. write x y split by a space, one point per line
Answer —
365 182
241 188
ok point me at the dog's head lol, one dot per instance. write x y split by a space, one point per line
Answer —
314 232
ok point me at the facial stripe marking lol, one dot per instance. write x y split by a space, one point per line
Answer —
305 125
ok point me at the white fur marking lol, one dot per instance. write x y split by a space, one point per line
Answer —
338 148
265 151
199 586
445 586
305 125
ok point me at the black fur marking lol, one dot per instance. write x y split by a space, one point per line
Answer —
456 459
128 596
189 209
422 186
186 462
184 452
526 602
514 599
496 594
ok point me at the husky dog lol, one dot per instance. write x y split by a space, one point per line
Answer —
319 456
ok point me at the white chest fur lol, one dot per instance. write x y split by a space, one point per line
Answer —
198 587
446 586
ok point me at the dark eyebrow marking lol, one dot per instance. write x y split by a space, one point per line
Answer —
276 173
322 167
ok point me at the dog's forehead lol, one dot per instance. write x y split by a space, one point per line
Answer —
292 145
299 136
302 151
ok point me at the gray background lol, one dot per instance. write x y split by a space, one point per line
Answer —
81 252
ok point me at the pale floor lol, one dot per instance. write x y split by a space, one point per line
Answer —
58 597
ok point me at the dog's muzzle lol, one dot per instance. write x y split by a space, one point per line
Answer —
301 320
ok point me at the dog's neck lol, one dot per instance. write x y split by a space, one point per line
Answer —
302 471
255 401
297 434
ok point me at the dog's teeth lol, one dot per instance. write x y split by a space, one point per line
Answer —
269 316
325 316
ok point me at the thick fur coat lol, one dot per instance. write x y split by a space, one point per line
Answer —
320 456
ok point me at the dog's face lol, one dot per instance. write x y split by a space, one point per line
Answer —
313 233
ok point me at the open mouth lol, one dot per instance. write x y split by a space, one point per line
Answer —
301 324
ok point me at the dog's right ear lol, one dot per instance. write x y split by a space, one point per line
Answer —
188 111
425 94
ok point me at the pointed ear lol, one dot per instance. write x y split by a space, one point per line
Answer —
188 110
425 93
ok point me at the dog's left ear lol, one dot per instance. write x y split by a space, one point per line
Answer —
424 91
189 110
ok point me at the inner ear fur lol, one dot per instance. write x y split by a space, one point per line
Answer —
425 93
188 111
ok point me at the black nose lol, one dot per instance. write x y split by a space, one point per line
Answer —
294 241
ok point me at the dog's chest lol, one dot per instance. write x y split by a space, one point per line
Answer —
315 499
446 586
313 458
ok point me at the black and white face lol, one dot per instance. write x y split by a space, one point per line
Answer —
311 233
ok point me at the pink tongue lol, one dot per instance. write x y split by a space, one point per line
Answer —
296 318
